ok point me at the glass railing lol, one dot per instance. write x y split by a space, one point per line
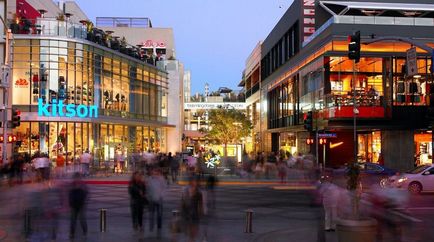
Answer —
50 27
374 20
67 29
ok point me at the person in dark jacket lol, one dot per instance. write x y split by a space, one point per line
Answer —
192 203
78 194
137 192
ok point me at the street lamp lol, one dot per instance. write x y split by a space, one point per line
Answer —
237 124
4 85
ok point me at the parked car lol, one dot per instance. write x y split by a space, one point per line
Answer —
415 181
370 173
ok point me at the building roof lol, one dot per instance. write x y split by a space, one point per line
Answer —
375 6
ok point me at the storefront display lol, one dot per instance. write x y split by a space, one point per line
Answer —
423 148
369 147
75 97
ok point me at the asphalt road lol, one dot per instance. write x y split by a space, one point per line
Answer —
282 214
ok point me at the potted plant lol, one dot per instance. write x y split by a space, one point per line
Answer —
354 227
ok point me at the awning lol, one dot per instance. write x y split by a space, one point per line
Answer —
377 6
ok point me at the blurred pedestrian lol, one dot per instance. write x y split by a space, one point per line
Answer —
330 198
138 200
174 167
192 208
85 160
78 195
210 188
46 167
156 187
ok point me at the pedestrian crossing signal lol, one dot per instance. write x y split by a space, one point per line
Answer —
309 141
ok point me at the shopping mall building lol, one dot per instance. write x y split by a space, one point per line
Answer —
79 92
304 67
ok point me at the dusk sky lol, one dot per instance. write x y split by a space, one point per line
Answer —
213 38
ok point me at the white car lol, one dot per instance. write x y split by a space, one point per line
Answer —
417 180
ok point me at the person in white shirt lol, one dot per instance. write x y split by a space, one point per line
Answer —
330 198
156 190
85 160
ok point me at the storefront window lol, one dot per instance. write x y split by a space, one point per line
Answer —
83 74
368 85
423 143
70 140
412 90
369 147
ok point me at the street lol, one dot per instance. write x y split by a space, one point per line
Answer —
281 213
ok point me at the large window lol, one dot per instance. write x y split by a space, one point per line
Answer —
54 70
368 84
412 90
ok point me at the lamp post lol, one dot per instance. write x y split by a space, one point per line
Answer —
4 85
237 124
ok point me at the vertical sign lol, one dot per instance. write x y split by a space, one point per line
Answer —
411 61
308 18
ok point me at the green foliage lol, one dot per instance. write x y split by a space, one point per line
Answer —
227 126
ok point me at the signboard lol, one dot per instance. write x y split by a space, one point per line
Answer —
66 110
328 135
190 106
412 62
308 18
21 83
152 44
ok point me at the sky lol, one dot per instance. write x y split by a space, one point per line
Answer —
213 38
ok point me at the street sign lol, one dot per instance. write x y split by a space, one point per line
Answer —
328 135
412 62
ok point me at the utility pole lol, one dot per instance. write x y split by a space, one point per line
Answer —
5 86
354 54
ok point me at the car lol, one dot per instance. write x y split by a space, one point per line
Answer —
420 179
370 173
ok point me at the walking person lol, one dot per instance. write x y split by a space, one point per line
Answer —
85 160
78 195
156 186
137 192
330 198
192 208
174 167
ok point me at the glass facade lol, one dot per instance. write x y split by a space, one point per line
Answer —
326 85
129 94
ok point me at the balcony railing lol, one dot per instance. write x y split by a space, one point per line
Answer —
371 20
68 29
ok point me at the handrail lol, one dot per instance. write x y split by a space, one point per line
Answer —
55 27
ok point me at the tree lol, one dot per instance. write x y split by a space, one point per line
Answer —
227 126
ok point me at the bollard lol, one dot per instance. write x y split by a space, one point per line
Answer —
102 220
27 222
175 226
249 218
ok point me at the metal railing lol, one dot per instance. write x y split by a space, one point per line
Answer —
50 27
372 20
67 29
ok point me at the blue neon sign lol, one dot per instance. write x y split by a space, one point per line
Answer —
59 109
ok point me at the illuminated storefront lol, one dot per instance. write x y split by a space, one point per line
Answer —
312 74
75 95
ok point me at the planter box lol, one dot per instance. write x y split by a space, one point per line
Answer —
357 230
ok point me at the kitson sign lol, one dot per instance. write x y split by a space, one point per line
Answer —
59 109
308 18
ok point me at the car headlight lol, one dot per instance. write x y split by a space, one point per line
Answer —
402 179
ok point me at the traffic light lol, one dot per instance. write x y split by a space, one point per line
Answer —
309 141
308 121
322 141
16 118
354 46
